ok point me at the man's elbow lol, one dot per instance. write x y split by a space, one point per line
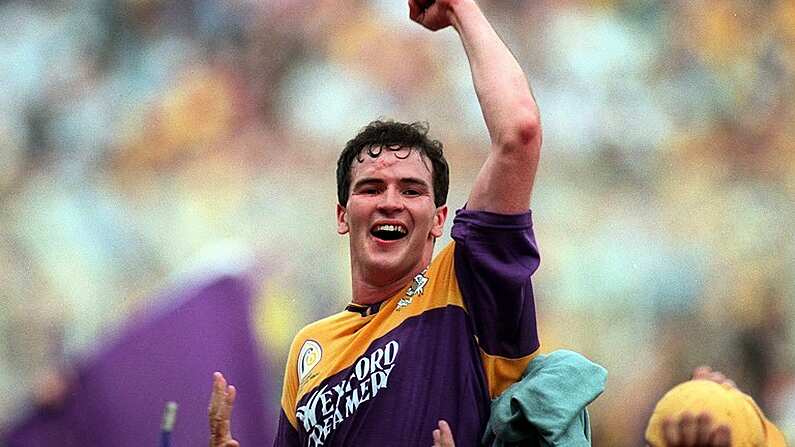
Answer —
523 138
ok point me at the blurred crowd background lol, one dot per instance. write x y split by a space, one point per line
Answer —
144 140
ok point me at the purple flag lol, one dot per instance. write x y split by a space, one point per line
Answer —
121 391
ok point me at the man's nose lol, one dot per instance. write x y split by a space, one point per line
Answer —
391 201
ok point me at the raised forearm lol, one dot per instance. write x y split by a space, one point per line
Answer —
509 110
505 182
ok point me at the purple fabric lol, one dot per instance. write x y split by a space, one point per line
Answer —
495 256
434 373
121 392
286 435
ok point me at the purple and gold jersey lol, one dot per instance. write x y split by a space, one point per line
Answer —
457 336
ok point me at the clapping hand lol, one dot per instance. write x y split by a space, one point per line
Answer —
220 412
443 436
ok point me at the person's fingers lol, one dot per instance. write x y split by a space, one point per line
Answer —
446 434
228 402
670 432
718 376
704 428
220 411
215 399
701 372
219 383
706 373
721 436
688 429
224 436
222 431
218 433
415 11
437 438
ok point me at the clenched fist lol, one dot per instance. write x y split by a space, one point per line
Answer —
432 14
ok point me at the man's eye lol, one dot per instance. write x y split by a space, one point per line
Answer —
370 191
411 192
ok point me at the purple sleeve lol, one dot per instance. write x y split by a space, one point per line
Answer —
495 255
286 435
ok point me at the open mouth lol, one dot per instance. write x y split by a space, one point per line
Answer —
389 232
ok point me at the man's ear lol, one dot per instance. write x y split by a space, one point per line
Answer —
342 220
438 221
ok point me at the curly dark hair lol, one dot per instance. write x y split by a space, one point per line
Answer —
394 136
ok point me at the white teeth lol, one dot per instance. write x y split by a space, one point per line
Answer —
398 228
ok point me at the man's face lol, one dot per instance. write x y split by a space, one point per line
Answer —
390 215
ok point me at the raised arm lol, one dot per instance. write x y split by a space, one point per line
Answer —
505 182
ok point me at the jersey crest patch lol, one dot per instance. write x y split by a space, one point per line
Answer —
308 358
417 288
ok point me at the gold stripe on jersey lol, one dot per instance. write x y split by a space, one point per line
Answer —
502 372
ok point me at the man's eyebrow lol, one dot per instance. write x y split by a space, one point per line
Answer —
367 181
414 181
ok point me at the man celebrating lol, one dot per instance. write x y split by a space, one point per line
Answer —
422 340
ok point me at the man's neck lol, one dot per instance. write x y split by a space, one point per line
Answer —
367 293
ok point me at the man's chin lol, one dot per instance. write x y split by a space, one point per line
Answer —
385 264
387 267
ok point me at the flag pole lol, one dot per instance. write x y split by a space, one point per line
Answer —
169 418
